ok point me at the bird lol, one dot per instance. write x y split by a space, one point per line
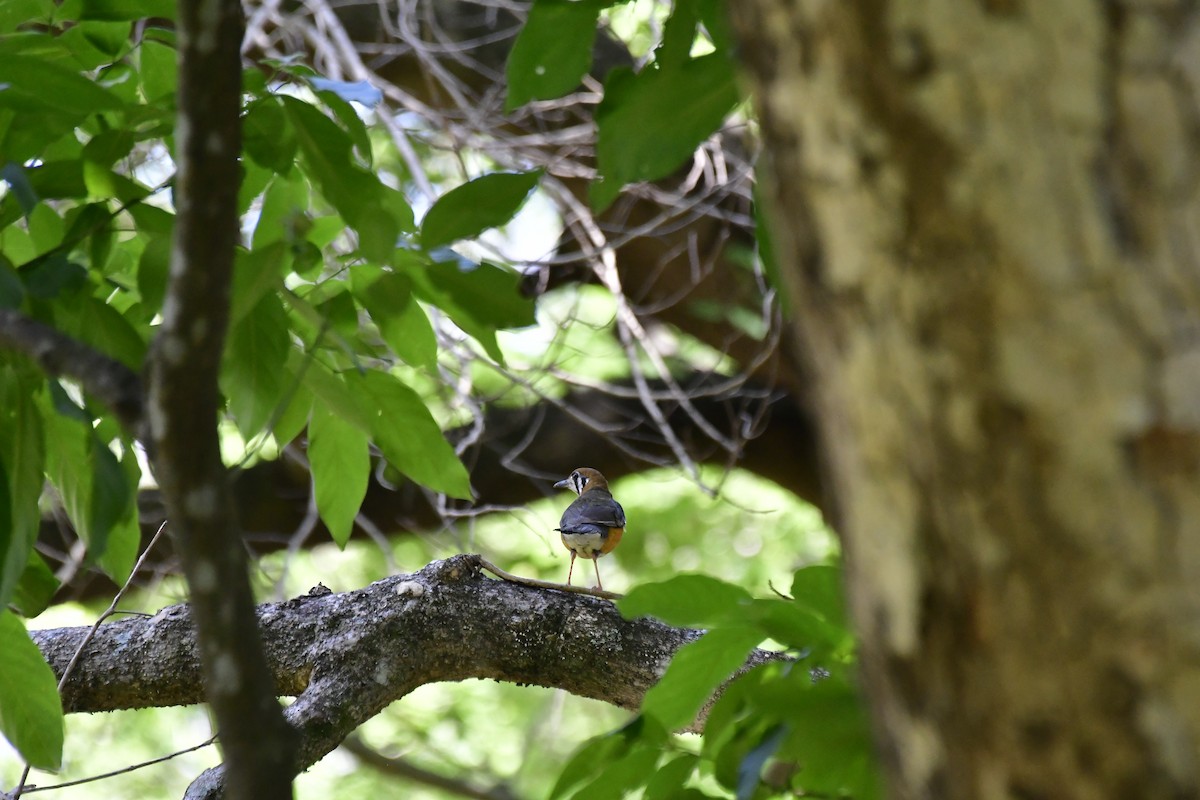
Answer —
592 526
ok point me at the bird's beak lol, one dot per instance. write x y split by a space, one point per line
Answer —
565 483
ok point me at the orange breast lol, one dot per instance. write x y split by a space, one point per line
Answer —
612 540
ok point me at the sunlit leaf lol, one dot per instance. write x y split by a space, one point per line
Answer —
686 600
34 84
695 672
251 374
337 453
651 122
388 298
409 437
31 716
36 587
469 210
553 51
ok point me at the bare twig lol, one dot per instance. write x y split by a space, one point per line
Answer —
558 587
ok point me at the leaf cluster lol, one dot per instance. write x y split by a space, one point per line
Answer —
792 726
335 298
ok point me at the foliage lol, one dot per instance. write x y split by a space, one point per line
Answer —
348 319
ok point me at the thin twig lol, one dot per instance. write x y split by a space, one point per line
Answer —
534 582
206 743
108 612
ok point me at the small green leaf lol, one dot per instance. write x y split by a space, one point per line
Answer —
621 776
388 298
679 33
294 416
252 377
409 437
153 267
121 10
341 465
669 779
357 194
591 756
31 715
332 390
818 588
283 217
553 51
22 458
469 210
686 600
34 84
36 588
159 72
101 326
479 299
268 137
695 672
256 274
651 122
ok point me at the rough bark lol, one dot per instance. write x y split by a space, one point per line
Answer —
346 656
987 217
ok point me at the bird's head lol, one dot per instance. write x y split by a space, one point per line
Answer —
581 480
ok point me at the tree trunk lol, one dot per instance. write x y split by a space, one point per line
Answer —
987 218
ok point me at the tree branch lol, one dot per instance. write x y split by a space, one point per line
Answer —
106 379
347 656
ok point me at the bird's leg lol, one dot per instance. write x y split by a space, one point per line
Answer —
596 565
571 568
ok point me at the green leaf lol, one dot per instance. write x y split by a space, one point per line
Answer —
341 465
31 715
268 137
153 267
96 491
34 84
357 195
388 298
22 12
818 588
679 34
587 761
12 293
670 777
332 390
256 274
479 299
36 588
22 458
409 437
695 672
252 377
101 326
829 734
159 72
469 210
651 122
686 600
283 215
621 776
114 511
294 416
116 10
553 51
